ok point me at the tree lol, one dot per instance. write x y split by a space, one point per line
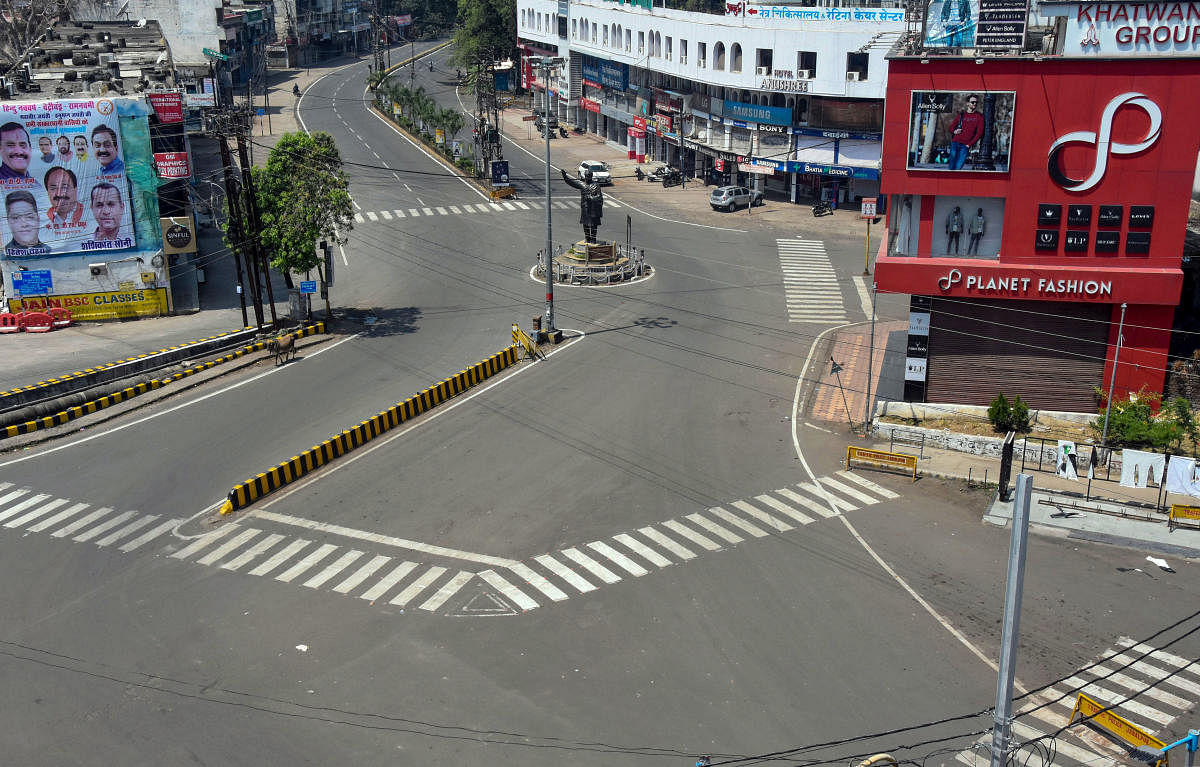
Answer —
486 31
22 25
303 196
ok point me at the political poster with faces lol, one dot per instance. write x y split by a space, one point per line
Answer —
62 179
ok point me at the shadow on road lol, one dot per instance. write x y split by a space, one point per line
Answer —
376 322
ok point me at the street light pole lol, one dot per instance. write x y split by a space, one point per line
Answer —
1112 382
544 64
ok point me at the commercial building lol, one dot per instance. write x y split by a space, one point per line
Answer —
784 98
1038 179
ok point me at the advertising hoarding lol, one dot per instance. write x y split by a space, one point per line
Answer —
62 177
167 106
967 131
951 23
172 164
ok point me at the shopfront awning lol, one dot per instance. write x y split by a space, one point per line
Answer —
851 153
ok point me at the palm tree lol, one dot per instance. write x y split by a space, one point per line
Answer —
452 121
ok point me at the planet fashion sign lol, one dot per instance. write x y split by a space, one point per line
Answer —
1015 286
1128 29
62 177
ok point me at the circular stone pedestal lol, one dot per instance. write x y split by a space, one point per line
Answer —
601 263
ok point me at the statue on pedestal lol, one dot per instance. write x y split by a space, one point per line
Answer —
591 204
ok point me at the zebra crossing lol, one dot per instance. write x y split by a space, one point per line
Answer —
1148 686
810 285
471 209
248 548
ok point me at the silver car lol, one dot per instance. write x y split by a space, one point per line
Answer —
601 174
730 197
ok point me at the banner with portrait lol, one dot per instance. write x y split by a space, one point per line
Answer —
62 179
951 23
965 131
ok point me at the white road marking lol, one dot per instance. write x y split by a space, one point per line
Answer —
387 215
59 517
647 553
202 542
1093 690
310 561
517 596
564 572
824 494
80 523
538 582
702 540
105 526
341 563
38 512
668 544
864 296
455 209
149 535
372 216
25 504
445 592
132 527
10 496
1135 685
281 556
844 490
762 516
228 547
808 503
1152 671
252 553
732 519
622 561
399 213
389 580
417 586
873 487
387 540
442 211
427 211
591 565
783 508
414 212
362 573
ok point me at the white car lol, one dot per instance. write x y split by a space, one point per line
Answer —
600 171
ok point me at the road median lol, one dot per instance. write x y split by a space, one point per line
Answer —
296 467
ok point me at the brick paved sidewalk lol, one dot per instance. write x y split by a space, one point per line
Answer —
851 350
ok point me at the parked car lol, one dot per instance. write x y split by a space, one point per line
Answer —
600 171
730 197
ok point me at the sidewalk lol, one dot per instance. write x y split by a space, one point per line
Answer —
1104 511
687 203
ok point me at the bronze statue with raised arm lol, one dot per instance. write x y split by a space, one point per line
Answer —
591 204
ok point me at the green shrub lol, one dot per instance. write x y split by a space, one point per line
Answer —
1007 417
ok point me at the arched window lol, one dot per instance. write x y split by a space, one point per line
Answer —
574 28
606 35
719 56
593 33
735 58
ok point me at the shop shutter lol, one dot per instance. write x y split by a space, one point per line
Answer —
1053 359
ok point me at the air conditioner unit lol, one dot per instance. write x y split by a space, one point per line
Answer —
805 74
98 269
701 63
763 71
854 76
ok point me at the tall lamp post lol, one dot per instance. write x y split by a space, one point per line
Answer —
545 63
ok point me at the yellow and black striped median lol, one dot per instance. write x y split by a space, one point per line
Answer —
317 456
118 397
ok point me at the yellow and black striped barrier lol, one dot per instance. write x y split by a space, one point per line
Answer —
96 405
317 456
51 382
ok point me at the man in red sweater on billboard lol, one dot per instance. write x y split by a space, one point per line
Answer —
965 132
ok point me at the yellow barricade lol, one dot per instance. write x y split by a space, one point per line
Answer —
1117 725
504 191
1189 514
883 459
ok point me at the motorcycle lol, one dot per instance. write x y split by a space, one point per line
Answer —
638 173
657 174
822 208
672 177
562 131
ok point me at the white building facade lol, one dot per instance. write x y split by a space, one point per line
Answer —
786 98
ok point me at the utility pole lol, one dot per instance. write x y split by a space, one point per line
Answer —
869 416
545 63
1112 381
255 224
1012 621
232 196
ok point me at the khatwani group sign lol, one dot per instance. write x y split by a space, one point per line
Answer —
62 179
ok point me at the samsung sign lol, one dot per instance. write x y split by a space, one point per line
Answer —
753 113
610 74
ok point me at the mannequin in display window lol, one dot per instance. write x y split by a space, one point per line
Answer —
954 227
975 229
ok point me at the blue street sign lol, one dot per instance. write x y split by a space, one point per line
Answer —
308 286
499 172
261 112
33 282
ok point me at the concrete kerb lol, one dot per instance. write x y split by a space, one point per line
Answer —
296 467
103 403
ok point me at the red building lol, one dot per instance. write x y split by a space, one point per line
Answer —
1033 195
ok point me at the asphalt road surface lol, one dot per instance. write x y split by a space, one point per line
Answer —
629 553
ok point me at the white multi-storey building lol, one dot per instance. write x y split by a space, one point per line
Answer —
783 97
